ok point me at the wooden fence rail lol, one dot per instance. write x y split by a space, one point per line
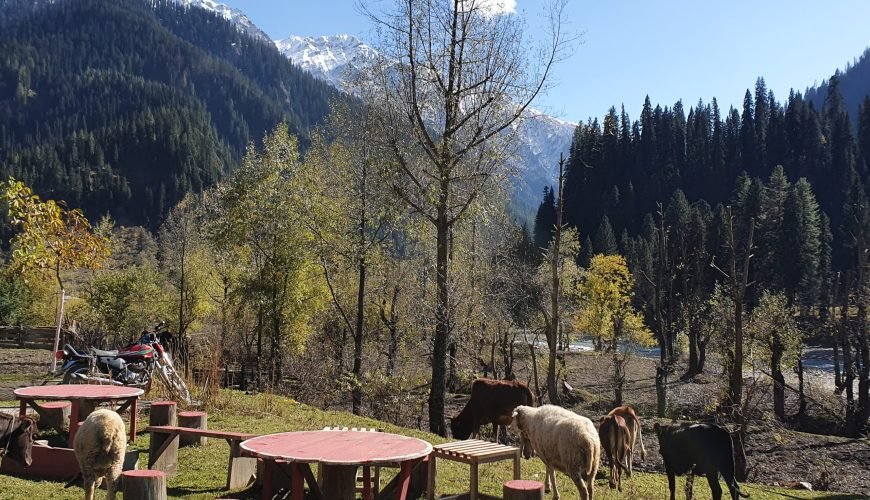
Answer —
34 337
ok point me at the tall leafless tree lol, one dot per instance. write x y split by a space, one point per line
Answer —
454 76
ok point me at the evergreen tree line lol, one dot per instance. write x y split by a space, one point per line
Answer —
772 200
128 120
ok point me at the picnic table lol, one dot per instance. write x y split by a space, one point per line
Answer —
83 398
341 452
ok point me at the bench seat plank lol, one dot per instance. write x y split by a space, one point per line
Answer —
169 429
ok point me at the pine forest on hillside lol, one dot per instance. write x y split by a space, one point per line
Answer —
356 249
127 121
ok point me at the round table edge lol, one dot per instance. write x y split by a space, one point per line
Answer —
404 458
70 398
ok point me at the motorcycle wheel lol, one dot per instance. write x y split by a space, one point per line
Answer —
174 381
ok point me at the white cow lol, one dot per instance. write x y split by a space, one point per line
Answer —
565 442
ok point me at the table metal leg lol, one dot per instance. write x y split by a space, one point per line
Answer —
22 408
133 412
73 422
297 484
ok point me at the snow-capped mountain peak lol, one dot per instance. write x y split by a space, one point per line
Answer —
235 16
327 57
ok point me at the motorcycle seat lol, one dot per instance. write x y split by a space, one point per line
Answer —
100 352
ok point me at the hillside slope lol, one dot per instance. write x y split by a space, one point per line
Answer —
128 120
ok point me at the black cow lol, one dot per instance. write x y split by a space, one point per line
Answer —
699 449
16 438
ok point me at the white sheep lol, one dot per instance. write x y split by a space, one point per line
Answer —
100 445
564 441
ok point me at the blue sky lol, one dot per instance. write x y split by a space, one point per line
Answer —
681 49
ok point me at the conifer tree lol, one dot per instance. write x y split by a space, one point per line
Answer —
605 240
545 219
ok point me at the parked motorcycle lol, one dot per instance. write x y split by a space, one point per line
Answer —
133 365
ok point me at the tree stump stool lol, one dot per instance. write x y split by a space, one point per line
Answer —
162 413
523 490
144 485
193 420
55 414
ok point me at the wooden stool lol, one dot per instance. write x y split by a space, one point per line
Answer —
523 490
162 413
193 420
474 453
144 485
55 414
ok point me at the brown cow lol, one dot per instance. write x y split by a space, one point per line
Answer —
635 432
492 401
614 435
16 438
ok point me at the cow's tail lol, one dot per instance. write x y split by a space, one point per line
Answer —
532 401
639 437
729 466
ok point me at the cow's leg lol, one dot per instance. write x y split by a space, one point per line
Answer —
495 431
547 488
629 456
690 482
672 484
715 489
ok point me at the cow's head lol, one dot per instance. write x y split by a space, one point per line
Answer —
20 444
460 427
518 427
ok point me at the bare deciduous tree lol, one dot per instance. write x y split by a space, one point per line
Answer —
453 78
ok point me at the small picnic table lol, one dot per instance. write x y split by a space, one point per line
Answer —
343 452
83 398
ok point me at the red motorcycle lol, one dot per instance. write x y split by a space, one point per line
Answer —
133 365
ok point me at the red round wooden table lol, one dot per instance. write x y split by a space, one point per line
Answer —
83 398
338 448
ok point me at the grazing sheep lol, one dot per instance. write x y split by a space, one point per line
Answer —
100 445
633 423
565 441
614 434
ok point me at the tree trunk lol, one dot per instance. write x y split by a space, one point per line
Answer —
739 282
802 399
442 329
553 330
535 370
838 378
702 354
778 379
358 337
260 348
693 353
618 372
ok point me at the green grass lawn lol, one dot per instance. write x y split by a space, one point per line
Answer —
202 471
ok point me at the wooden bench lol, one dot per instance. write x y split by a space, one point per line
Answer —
163 452
473 452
